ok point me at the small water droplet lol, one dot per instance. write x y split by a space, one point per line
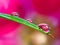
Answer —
29 20
15 14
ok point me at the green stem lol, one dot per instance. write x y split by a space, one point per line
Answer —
22 21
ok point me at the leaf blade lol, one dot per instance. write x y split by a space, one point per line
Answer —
22 21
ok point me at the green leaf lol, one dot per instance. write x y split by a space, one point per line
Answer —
22 21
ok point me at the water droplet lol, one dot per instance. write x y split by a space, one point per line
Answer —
29 20
44 27
15 14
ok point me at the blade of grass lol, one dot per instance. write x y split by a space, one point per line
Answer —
22 21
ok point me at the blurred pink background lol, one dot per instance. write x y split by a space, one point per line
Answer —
27 9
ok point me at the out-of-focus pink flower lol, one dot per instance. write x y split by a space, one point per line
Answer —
26 9
46 6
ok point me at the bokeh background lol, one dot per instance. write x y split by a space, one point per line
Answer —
47 11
